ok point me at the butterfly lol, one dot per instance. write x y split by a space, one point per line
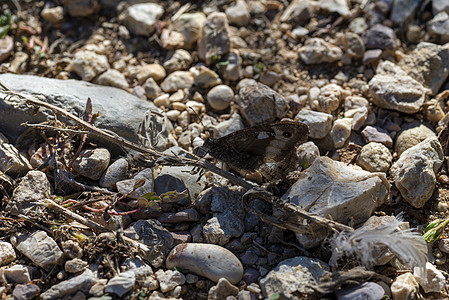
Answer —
265 144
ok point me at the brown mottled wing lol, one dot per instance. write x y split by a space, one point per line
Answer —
249 148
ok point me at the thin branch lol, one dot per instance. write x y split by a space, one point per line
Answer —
53 128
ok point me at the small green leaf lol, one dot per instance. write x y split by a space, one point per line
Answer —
174 196
434 230
139 183
4 30
223 63
24 39
213 57
142 203
151 196
275 296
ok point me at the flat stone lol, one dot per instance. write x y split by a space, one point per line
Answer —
211 261
121 284
378 135
333 189
415 171
335 6
397 92
141 18
120 111
75 265
12 162
39 247
187 215
126 186
113 78
204 77
82 282
155 71
15 274
292 276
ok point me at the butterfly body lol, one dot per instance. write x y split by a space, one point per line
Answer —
250 148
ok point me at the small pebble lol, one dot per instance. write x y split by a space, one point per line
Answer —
220 97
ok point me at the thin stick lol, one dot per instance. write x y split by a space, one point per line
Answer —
53 128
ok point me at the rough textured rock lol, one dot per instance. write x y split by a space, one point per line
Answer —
412 134
258 104
320 124
292 276
214 42
91 163
317 51
331 188
375 157
405 287
141 18
82 282
415 171
430 278
88 64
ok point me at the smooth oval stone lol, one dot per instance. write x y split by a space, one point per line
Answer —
211 261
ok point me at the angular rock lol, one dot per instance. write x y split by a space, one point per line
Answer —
430 278
259 103
297 12
120 111
7 253
297 275
415 171
326 99
91 163
155 71
53 14
177 80
179 60
378 135
317 51
440 5
341 130
141 18
39 248
397 92
403 11
215 42
169 279
211 261
121 284
405 287
25 291
356 108
187 215
15 274
222 290
126 186
113 78
88 64
367 290
75 265
238 14
82 282
27 196
153 235
190 25
320 124
439 27
307 153
332 189
136 265
12 162
152 90
375 157
338 6
427 64
204 77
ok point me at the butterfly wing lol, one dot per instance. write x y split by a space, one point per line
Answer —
251 147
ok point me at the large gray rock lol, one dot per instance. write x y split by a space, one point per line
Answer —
120 111
332 189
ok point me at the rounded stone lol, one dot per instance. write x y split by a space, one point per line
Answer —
375 157
211 261
116 171
220 97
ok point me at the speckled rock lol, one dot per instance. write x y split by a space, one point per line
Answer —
258 104
39 248
211 261
179 60
222 290
169 279
415 171
31 190
292 276
7 253
88 64
317 50
375 157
